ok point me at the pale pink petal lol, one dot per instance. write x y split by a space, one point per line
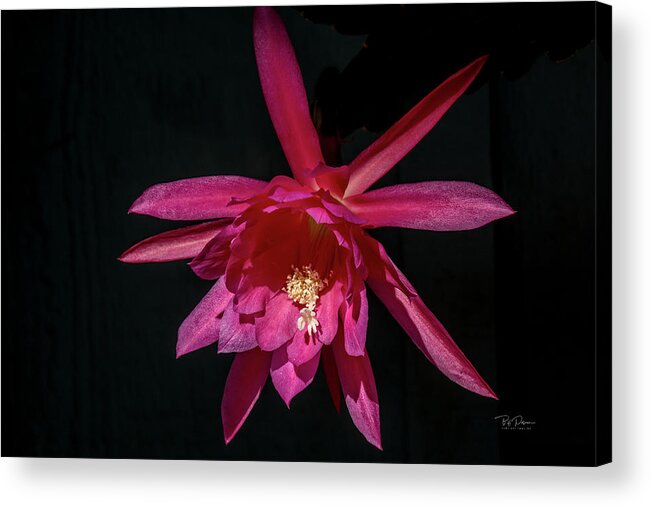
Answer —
199 198
278 324
427 333
360 394
395 143
236 332
331 376
284 93
434 205
290 379
201 327
176 244
246 378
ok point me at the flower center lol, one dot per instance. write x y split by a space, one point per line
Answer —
303 287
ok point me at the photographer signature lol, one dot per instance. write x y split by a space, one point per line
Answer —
517 422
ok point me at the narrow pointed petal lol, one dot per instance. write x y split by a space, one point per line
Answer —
246 378
201 327
199 198
434 205
395 143
177 244
278 324
380 266
360 393
288 378
355 321
331 376
427 333
284 93
236 332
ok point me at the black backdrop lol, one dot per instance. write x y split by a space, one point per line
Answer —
98 105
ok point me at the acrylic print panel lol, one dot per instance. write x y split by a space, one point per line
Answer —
393 219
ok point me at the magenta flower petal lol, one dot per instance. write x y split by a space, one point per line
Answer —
333 179
427 333
331 376
246 378
376 259
303 348
236 332
284 93
201 327
252 300
199 198
176 244
358 385
432 338
355 321
288 378
211 261
329 313
395 143
278 324
434 205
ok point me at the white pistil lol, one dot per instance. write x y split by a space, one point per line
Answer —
303 287
308 319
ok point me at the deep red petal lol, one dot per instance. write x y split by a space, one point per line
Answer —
246 378
211 261
284 93
434 205
395 143
378 263
177 244
331 376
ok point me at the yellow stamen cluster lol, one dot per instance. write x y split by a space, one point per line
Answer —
303 287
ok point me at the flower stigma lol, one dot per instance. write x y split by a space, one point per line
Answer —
303 287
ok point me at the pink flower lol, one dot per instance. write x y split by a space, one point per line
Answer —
292 258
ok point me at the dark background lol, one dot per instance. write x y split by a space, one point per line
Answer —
99 105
